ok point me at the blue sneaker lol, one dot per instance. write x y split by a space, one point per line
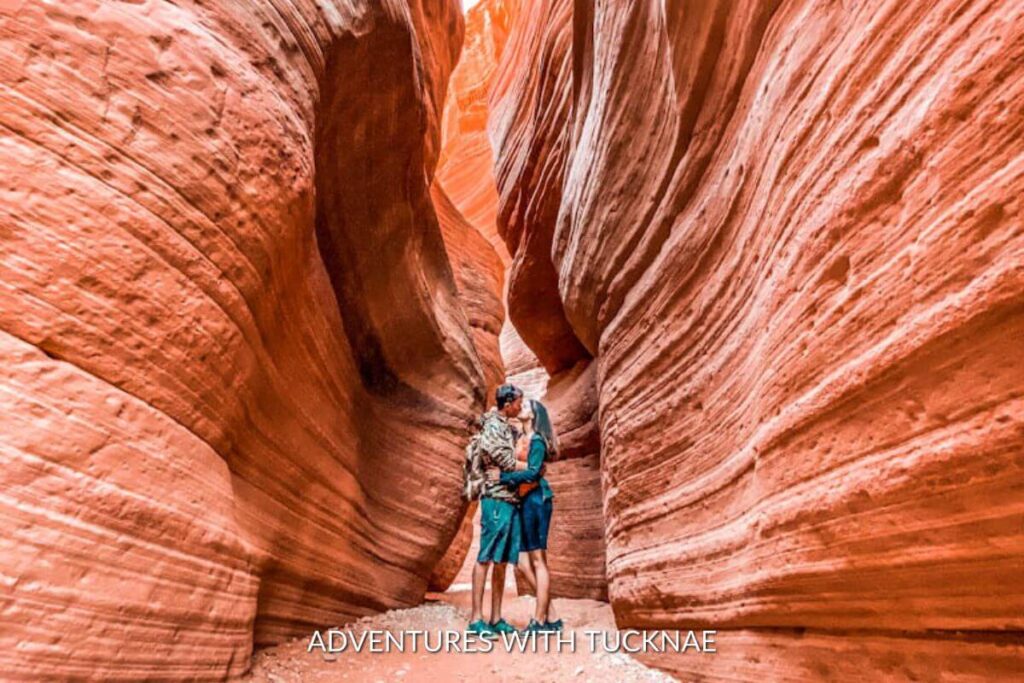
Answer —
553 625
482 629
502 626
534 627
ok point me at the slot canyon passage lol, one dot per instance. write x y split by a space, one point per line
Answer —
263 262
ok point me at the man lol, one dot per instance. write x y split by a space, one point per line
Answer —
499 513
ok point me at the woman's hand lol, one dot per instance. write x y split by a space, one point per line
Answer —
521 465
492 473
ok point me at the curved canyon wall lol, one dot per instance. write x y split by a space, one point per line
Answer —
789 234
233 389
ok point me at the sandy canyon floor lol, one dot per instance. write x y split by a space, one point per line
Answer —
291 662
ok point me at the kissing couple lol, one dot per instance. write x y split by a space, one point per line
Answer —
515 506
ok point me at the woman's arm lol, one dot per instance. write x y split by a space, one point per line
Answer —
534 462
493 472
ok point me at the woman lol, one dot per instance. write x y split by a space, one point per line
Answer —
535 512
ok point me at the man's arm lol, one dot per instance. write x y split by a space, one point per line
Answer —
534 461
497 444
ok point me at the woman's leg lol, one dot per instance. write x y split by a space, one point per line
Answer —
526 567
540 568
551 601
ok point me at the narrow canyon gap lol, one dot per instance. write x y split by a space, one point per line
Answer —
764 260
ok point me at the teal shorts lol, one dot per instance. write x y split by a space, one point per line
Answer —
500 531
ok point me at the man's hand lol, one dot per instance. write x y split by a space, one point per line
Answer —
492 473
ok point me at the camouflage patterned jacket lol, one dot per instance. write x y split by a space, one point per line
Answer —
497 441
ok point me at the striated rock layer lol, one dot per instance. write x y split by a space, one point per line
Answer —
522 367
234 393
461 553
790 236
479 279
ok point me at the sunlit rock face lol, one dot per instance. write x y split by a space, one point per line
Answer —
479 279
789 235
464 169
522 367
234 392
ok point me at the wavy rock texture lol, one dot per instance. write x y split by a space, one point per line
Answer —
794 248
231 389
461 553
479 277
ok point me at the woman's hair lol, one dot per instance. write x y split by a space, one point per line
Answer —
541 424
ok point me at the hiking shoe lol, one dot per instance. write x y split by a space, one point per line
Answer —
481 628
502 626
553 625
534 627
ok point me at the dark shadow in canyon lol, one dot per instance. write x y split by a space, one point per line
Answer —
375 223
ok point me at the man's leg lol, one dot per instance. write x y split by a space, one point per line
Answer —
497 590
479 581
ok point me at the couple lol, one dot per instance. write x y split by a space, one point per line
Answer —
515 508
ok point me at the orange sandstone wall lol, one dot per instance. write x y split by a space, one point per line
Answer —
790 236
233 390
479 278
528 126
